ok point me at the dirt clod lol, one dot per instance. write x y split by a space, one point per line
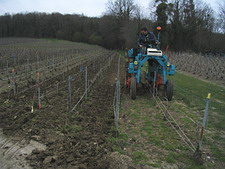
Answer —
49 159
116 160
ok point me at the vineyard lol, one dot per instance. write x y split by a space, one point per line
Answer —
65 105
43 88
208 67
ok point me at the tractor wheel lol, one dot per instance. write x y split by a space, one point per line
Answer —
169 90
133 88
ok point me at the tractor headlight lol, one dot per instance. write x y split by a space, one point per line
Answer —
135 62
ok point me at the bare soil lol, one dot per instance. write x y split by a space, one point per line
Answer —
73 140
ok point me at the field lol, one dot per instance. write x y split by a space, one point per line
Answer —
57 100
43 101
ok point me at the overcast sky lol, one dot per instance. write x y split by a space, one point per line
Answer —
86 7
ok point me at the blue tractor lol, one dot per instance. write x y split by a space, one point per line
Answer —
156 66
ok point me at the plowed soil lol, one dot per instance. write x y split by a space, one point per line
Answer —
73 140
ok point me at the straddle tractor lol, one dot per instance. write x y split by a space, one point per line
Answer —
157 68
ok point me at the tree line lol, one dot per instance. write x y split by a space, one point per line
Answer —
186 25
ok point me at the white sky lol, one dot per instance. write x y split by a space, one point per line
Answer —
86 7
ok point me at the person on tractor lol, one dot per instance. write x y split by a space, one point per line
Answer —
146 38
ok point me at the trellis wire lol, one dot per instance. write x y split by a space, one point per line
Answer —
91 84
168 116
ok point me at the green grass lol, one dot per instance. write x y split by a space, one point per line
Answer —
139 157
145 123
171 158
193 92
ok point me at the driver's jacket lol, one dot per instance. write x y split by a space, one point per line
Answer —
146 40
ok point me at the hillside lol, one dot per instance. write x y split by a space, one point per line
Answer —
65 105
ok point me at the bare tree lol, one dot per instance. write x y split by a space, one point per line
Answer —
152 11
122 9
138 13
222 16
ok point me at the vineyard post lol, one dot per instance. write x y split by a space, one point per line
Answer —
7 65
30 69
57 87
101 72
116 102
39 91
38 61
38 64
53 61
109 62
205 119
8 71
69 93
47 62
31 65
199 145
27 67
14 58
66 65
86 81
53 67
14 83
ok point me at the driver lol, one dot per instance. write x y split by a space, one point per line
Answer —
146 38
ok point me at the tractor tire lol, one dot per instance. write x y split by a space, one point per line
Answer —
133 88
169 90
